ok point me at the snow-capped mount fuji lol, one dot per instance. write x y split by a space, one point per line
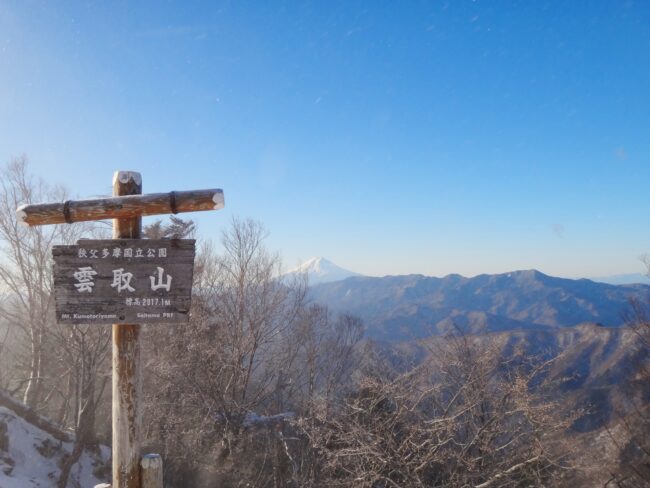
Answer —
321 270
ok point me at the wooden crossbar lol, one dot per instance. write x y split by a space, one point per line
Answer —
124 207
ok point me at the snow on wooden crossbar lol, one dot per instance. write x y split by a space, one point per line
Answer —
120 207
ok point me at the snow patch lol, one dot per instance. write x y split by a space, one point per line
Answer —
218 200
32 457
126 176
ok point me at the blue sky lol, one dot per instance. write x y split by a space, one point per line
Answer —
390 137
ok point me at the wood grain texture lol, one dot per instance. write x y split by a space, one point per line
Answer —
151 469
86 290
125 206
127 367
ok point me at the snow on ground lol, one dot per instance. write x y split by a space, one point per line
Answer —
30 457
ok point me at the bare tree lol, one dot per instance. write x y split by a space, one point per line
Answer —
460 418
25 270
630 431
225 368
85 360
327 355
58 367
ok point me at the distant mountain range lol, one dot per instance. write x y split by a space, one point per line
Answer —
398 308
575 325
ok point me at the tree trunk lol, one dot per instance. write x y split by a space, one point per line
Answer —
34 384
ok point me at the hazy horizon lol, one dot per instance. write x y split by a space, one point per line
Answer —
624 278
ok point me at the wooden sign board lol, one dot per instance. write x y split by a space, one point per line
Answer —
128 281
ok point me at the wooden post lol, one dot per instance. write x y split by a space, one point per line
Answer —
126 207
127 374
152 471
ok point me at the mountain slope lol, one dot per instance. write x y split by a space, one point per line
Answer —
32 451
593 366
408 307
321 270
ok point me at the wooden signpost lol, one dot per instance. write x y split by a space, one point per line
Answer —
124 282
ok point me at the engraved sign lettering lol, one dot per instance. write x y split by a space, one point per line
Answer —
124 281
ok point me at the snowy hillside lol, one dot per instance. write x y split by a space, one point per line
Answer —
31 457
321 270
